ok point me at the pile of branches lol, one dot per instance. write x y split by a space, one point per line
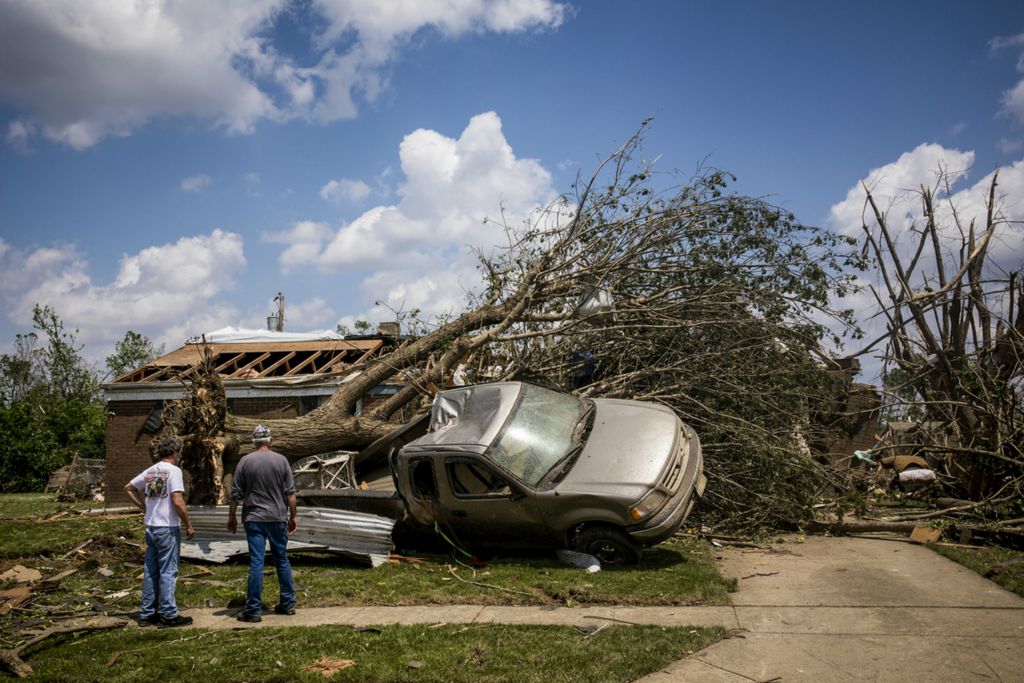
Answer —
954 343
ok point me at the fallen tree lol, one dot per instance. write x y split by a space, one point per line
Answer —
638 286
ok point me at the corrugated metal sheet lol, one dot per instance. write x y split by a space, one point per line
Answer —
358 535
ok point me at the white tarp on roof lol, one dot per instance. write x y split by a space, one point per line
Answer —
239 335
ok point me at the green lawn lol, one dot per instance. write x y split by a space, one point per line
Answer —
107 580
448 653
675 573
1002 565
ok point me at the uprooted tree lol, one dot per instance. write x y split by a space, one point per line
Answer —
955 337
709 301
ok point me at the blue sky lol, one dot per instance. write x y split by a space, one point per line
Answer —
168 167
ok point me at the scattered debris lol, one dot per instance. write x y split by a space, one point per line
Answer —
925 534
81 480
750 576
580 560
200 570
52 583
589 631
14 597
452 571
328 667
21 574
358 535
12 660
76 549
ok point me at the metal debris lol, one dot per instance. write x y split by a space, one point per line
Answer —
358 535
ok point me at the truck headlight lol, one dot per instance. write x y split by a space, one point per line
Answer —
648 505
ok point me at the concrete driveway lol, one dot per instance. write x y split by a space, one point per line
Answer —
860 609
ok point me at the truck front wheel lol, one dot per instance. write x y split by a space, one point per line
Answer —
608 544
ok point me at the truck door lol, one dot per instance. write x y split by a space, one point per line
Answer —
486 507
416 482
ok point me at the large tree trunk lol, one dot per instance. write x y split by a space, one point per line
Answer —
332 426
317 432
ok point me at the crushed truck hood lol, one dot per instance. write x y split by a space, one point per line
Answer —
620 460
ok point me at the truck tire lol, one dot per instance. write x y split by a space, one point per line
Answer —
608 544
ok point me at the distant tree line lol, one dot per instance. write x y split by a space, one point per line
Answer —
50 403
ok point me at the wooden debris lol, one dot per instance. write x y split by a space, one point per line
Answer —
200 570
11 659
13 598
76 549
52 583
327 666
395 558
21 574
925 534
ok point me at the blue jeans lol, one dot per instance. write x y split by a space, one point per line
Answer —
258 534
161 571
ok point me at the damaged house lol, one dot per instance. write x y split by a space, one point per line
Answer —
265 374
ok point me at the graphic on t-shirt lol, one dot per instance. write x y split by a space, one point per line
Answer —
156 484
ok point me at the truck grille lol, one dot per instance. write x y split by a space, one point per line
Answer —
675 471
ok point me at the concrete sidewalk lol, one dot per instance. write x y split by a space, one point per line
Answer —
476 614
553 615
860 609
814 609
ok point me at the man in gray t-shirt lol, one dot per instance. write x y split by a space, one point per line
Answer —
263 485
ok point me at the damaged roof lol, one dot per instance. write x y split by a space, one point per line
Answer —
258 360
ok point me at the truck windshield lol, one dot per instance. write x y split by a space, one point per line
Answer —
538 434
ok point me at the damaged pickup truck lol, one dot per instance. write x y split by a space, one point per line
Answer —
515 465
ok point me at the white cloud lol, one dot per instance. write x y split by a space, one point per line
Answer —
957 128
158 287
421 244
1003 42
418 252
345 190
195 183
895 183
304 240
1012 100
433 293
18 134
313 314
87 69
1007 146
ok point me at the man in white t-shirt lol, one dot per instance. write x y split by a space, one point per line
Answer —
159 492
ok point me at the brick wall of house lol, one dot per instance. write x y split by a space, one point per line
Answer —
127 449
269 408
